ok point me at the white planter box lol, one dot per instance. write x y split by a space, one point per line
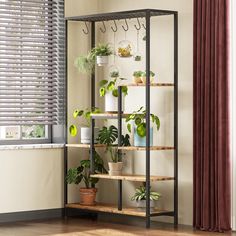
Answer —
86 134
111 103
102 60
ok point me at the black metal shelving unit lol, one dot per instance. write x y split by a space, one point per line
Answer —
119 209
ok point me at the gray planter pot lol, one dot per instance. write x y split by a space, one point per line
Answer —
142 204
115 168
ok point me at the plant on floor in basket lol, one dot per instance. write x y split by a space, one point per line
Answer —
139 119
101 53
109 90
140 197
82 173
85 130
108 136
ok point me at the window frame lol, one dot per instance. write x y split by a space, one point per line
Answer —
21 141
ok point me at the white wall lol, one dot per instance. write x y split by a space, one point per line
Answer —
31 180
162 64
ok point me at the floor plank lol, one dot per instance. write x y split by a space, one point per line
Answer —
84 227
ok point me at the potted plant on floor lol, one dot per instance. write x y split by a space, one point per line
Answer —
101 53
82 173
109 90
109 136
85 133
140 197
139 120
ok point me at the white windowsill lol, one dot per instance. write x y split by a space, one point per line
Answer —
32 146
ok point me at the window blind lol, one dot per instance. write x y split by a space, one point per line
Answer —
32 62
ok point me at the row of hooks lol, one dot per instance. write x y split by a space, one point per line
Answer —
115 28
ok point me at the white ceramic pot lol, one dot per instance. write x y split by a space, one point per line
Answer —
115 168
111 103
86 134
142 204
102 60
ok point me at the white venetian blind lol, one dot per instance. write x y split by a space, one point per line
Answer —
32 65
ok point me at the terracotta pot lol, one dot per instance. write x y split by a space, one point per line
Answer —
87 196
144 79
137 80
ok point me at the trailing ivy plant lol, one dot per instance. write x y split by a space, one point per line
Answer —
139 118
82 172
108 136
86 114
111 86
141 194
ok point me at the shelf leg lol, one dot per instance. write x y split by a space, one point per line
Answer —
119 144
148 119
176 119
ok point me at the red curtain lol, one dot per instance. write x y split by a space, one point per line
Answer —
212 193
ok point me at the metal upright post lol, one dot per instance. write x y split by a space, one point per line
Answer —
92 149
148 118
119 143
176 118
65 130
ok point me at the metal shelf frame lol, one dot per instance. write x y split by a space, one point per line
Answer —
146 14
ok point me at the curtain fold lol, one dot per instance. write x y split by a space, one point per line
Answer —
212 188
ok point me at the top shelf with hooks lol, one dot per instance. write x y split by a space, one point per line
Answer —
121 15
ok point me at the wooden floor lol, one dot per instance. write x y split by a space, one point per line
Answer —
82 227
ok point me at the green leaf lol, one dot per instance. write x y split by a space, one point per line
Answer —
141 130
129 127
78 113
137 120
115 92
85 163
103 82
102 91
124 90
157 121
111 86
73 130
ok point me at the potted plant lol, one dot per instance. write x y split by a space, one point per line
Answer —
85 133
143 77
101 53
114 74
109 90
85 64
82 173
140 197
109 136
137 76
139 119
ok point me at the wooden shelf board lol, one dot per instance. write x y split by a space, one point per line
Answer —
129 177
109 208
108 115
152 148
86 146
152 85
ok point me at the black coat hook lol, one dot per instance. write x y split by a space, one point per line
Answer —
114 29
104 28
127 26
144 26
87 30
139 25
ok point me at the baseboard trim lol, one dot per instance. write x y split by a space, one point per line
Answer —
31 215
